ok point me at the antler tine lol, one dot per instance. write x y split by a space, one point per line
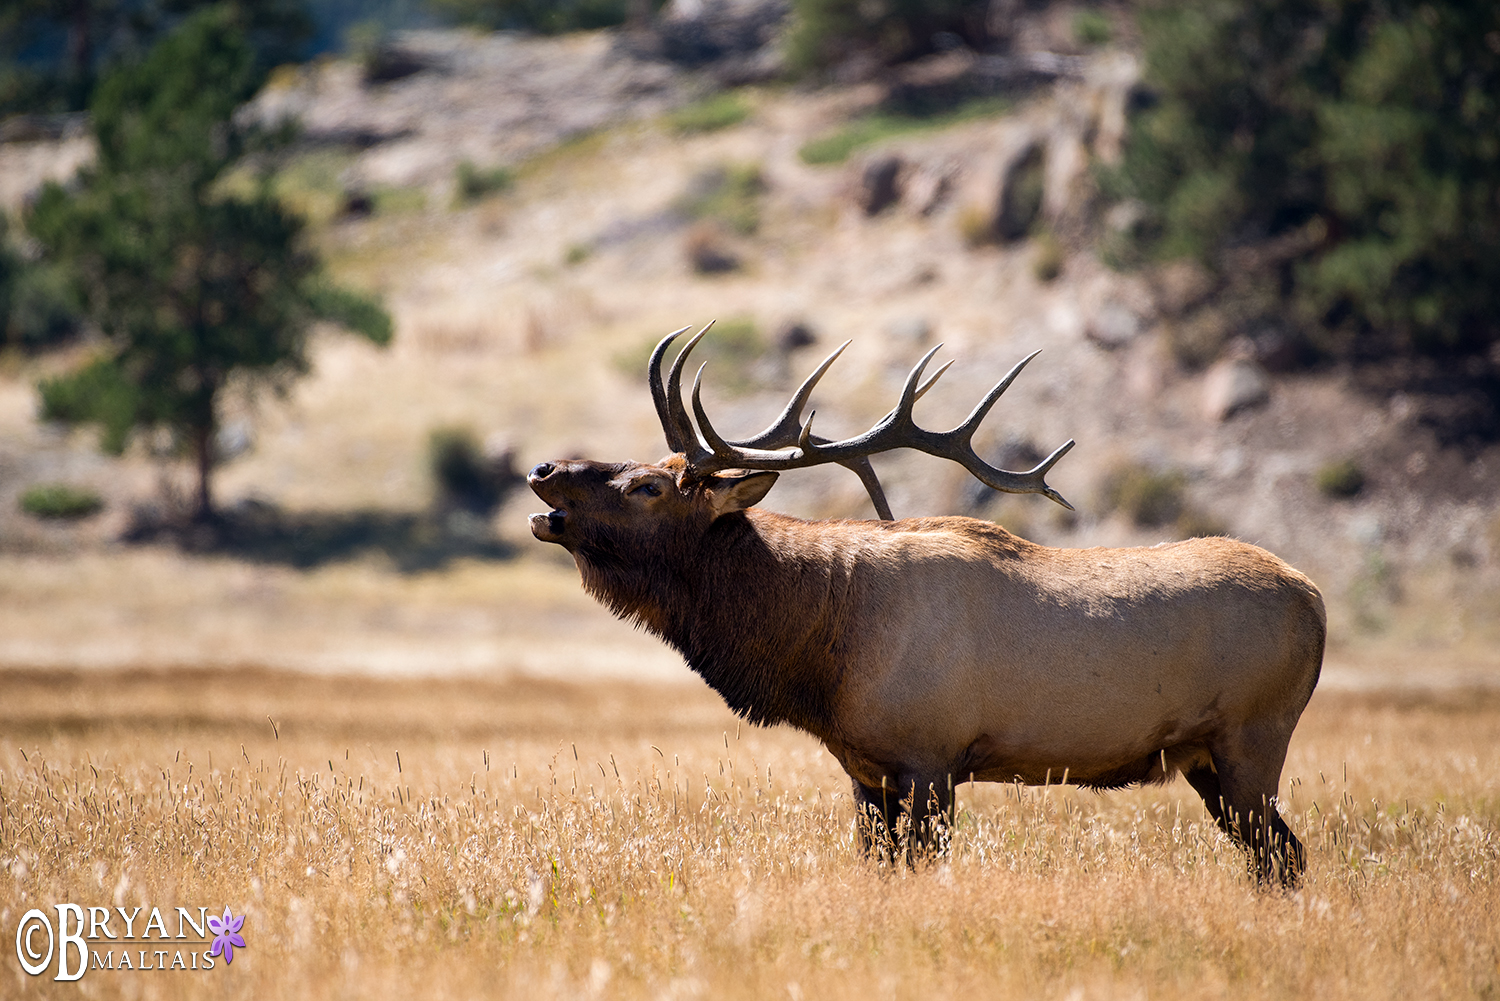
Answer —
689 443
909 391
960 441
1045 466
721 454
805 439
1030 482
977 415
716 444
787 430
866 473
787 426
780 435
659 392
934 378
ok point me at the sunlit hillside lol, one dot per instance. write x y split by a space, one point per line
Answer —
525 307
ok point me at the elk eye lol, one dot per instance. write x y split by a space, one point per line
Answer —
648 488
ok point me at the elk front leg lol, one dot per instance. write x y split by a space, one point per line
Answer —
929 806
876 814
911 817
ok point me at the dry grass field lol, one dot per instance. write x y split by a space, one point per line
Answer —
539 839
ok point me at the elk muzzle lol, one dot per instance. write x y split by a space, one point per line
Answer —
549 526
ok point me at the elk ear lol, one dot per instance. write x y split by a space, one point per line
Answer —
737 489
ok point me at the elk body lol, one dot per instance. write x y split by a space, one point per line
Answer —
932 651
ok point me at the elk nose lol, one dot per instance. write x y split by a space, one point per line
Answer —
541 471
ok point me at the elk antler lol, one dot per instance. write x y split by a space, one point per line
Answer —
708 452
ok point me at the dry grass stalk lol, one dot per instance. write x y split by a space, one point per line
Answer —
533 842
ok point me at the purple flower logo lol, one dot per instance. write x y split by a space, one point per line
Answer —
226 934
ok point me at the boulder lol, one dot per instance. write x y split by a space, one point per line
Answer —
1234 385
879 184
1113 325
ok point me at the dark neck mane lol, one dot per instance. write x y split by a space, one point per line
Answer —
757 616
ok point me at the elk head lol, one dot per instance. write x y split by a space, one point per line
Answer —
613 511
634 529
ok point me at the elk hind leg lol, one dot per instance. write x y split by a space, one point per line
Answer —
1248 778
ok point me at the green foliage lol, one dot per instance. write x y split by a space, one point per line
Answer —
735 341
1342 479
53 51
1092 27
190 285
310 185
37 305
730 349
726 194
396 199
1150 497
838 145
546 16
1350 147
711 114
826 33
464 476
976 227
99 392
44 307
351 310
472 184
1156 498
60 501
1050 257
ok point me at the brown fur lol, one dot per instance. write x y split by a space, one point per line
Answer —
933 651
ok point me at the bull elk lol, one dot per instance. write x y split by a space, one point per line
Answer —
932 651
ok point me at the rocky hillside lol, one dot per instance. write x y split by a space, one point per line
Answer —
632 201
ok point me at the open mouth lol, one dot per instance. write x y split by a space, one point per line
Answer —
549 527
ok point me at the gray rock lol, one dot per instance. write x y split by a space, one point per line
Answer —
1113 326
879 184
233 440
1234 385
911 329
930 186
1020 201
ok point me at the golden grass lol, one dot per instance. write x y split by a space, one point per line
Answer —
721 865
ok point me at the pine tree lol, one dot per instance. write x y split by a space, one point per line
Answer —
1358 137
191 284
51 51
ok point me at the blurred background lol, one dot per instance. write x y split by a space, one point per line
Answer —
293 293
